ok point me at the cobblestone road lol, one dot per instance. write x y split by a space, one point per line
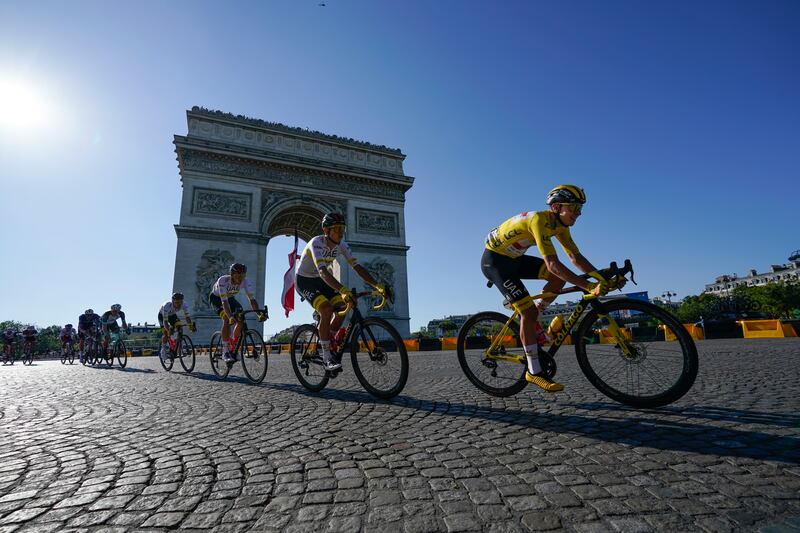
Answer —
90 449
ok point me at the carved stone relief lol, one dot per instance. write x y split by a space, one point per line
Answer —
213 264
223 204
383 272
378 222
199 162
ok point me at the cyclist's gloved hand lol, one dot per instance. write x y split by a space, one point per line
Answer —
231 320
599 289
347 296
192 327
262 317
128 330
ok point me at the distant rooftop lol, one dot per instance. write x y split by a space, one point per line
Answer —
297 131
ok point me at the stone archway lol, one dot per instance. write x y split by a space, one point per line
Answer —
246 180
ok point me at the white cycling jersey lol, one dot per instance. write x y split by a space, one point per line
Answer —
226 288
168 309
316 256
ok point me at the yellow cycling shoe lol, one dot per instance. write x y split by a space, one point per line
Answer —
543 383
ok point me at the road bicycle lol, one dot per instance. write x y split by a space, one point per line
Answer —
92 348
377 353
621 345
8 352
117 349
248 348
27 351
68 352
181 348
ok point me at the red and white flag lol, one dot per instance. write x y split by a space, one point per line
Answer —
288 282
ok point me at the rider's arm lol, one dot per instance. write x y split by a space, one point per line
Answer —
366 276
248 289
582 263
557 268
124 324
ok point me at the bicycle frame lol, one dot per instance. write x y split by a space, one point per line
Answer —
495 351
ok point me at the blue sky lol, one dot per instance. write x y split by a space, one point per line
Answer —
680 120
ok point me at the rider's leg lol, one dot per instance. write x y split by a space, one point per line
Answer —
326 318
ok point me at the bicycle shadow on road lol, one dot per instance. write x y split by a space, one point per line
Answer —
344 395
709 412
213 377
644 429
127 369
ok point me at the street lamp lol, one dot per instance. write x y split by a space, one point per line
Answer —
668 295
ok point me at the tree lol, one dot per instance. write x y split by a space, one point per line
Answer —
447 326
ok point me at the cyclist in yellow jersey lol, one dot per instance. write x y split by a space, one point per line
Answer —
505 264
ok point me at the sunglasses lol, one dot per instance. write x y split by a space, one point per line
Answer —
574 208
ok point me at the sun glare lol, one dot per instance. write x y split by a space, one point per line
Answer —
22 106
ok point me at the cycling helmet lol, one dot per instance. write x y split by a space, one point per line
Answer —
68 326
177 296
89 312
566 194
333 219
116 307
238 268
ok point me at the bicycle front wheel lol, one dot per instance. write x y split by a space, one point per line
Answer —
652 361
71 355
215 352
63 357
491 355
187 355
306 355
27 359
122 353
254 356
380 358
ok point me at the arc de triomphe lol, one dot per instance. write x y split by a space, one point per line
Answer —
246 180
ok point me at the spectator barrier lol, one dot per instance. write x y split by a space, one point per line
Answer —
765 329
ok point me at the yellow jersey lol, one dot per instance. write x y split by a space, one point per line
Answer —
514 236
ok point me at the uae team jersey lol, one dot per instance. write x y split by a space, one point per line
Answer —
168 309
317 255
226 288
514 236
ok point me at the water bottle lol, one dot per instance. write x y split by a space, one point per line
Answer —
555 326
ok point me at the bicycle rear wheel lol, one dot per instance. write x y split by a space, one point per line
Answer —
63 357
254 356
380 358
121 353
499 373
655 362
27 357
306 355
71 355
187 354
215 353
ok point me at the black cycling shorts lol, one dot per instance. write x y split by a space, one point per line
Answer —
171 319
216 303
507 273
316 291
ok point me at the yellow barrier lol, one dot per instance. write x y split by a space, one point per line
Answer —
449 343
764 329
412 345
696 332
606 337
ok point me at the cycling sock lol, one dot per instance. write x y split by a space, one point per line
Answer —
326 347
532 354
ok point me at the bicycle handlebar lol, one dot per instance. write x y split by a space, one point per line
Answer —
240 314
381 304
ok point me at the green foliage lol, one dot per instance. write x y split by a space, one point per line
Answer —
775 300
423 335
447 326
